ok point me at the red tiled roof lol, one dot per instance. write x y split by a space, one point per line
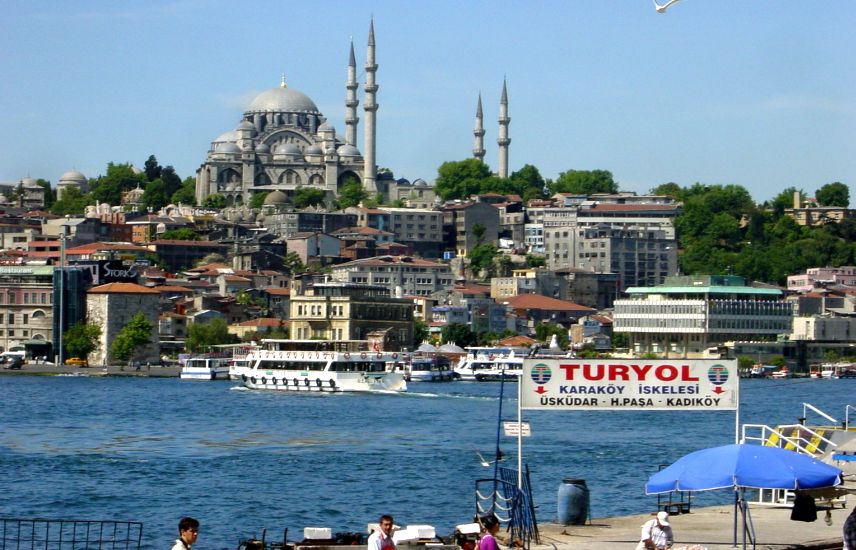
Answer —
209 267
176 242
121 288
516 341
172 288
95 247
278 291
235 279
536 301
387 260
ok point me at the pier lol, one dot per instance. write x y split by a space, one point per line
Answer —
711 527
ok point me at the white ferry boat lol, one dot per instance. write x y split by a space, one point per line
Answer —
430 369
209 366
241 362
323 366
490 364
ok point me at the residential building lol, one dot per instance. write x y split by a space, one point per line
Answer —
348 311
821 277
177 255
400 275
313 246
460 220
687 315
26 304
534 309
811 214
420 229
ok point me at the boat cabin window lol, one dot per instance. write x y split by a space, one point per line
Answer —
358 366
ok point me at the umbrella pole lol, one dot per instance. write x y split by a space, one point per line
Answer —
736 497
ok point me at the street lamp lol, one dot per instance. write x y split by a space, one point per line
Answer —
62 237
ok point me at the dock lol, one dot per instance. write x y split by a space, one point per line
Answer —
711 527
48 369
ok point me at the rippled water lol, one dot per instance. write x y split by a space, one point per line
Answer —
153 450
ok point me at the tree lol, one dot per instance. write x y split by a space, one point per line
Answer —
137 333
528 182
420 332
180 234
670 189
293 263
535 261
478 232
584 182
351 193
215 201
833 194
213 258
308 196
186 194
50 193
171 181
258 199
72 201
155 196
201 336
119 178
544 333
81 339
460 179
152 169
458 334
481 257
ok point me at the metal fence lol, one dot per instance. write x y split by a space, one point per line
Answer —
67 534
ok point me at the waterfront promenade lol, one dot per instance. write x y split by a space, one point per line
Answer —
711 527
155 371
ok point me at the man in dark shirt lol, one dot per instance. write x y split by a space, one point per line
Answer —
850 531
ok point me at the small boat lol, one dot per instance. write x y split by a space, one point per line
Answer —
781 373
208 366
322 366
491 364
430 369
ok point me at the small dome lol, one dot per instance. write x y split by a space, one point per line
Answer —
419 182
287 149
275 198
313 150
330 152
231 135
29 182
326 127
348 151
246 125
73 177
263 148
227 148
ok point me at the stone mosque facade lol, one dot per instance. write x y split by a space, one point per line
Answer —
283 143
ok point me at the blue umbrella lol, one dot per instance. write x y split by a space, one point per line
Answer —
741 466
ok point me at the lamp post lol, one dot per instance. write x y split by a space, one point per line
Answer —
61 325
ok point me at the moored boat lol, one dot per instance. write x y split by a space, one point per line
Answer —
430 369
323 367
207 366
491 364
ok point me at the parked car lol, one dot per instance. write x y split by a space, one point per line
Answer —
77 362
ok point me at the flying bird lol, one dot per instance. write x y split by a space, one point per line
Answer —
484 462
662 9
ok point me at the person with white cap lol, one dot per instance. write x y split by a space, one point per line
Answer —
656 533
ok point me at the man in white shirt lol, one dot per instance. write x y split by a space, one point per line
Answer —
656 533
188 530
382 538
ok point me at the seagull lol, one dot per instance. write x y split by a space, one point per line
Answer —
662 9
484 461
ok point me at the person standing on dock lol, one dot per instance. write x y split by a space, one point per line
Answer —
656 533
850 531
188 530
490 524
382 538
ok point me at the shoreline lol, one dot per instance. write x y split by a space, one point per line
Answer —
49 369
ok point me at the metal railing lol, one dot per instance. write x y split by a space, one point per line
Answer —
513 506
67 534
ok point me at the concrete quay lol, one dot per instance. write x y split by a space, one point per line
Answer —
49 369
710 527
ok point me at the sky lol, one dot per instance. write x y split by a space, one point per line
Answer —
756 93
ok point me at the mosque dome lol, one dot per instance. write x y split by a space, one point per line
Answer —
283 100
287 149
246 125
230 136
419 182
29 182
313 150
73 177
263 148
348 150
228 148
275 198
326 127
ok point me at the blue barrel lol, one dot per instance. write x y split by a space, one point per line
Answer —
573 505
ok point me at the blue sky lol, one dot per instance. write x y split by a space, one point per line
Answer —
757 93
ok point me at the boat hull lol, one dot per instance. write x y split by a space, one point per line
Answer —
324 382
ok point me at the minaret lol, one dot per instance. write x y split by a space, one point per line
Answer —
478 147
503 140
370 106
351 101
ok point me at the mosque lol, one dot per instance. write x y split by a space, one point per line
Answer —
284 142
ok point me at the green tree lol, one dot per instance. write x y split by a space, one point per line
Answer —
152 169
620 340
81 339
420 332
180 234
481 257
351 193
293 263
833 194
137 333
670 189
171 181
186 194
50 193
201 336
308 196
533 260
72 201
460 179
155 196
478 232
458 334
528 182
258 199
216 201
544 333
119 178
584 182
785 199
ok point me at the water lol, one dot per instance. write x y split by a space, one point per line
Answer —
154 450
